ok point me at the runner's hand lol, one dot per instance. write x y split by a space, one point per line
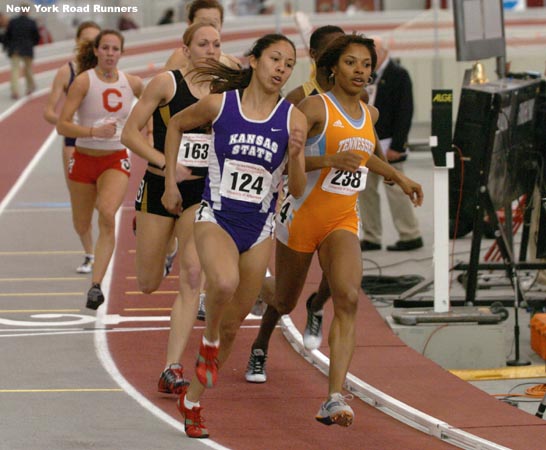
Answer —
172 200
106 131
411 188
350 161
296 142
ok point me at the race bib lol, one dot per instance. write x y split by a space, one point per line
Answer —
244 181
345 182
194 150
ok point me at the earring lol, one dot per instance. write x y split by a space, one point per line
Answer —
370 80
332 78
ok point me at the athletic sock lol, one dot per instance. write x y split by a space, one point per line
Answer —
211 344
190 405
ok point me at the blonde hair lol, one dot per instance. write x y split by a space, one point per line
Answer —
188 35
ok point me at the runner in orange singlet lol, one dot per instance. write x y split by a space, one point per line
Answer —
338 155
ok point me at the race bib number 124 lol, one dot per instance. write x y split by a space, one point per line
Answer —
244 181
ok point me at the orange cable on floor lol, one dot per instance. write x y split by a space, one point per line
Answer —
536 391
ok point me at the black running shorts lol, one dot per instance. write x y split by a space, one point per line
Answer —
151 190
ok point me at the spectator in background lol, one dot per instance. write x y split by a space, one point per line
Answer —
168 17
267 7
391 93
126 22
20 38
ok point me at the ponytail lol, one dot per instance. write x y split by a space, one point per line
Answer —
85 58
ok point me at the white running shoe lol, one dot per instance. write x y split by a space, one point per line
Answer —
255 371
259 307
201 312
87 264
312 336
335 410
169 260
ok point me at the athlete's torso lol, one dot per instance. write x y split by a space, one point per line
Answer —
105 103
334 189
249 157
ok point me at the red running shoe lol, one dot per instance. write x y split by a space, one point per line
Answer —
206 367
172 380
194 424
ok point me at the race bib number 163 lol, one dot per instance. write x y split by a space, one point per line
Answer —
195 149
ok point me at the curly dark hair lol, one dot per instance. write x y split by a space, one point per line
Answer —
330 56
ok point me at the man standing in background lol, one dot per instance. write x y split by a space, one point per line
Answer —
391 93
21 37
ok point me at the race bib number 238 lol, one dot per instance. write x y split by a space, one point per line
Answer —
345 182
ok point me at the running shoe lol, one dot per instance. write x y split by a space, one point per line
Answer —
169 260
194 424
87 265
259 307
206 367
172 380
201 313
335 410
255 371
312 336
95 297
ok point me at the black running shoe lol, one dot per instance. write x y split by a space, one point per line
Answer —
95 297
